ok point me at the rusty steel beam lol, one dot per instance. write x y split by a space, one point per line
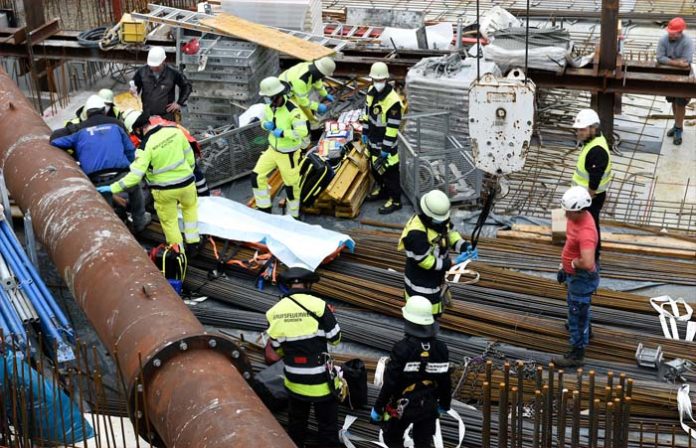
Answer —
608 50
183 378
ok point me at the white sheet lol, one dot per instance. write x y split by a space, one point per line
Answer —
294 243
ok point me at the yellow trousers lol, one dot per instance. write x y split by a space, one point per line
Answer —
289 166
166 205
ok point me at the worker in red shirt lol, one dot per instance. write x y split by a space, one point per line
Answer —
579 272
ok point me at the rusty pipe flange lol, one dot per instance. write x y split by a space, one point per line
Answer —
205 341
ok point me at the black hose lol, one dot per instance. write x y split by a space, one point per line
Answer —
91 38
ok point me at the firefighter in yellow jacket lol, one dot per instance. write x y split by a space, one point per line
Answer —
300 325
427 240
287 128
165 158
307 89
381 122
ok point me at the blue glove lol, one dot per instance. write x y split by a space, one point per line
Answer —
364 139
278 132
375 417
104 189
384 154
322 109
468 254
330 98
268 125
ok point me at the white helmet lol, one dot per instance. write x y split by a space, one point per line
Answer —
379 71
94 102
576 199
586 118
271 86
129 118
326 66
107 95
436 205
418 310
156 56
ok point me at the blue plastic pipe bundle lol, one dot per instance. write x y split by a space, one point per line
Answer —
54 323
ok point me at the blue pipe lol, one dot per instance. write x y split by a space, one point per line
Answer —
30 288
48 296
11 319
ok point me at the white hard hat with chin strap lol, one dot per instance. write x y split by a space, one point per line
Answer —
586 118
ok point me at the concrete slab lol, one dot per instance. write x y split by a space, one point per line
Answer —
675 174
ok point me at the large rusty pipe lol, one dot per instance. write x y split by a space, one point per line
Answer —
195 397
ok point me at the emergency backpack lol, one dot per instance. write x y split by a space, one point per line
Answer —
315 176
171 260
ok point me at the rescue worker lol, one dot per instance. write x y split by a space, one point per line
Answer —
593 169
307 88
130 116
579 271
300 325
165 158
416 385
156 83
676 49
426 240
381 122
101 146
287 128
110 110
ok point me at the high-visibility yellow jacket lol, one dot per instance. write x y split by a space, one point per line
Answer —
301 340
581 176
302 83
381 122
292 121
165 158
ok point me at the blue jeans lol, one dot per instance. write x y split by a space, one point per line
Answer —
581 286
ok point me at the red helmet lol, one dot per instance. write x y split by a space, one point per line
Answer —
676 25
191 47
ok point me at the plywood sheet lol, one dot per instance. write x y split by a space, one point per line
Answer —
268 37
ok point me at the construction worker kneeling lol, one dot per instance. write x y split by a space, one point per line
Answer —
416 384
165 158
427 239
287 129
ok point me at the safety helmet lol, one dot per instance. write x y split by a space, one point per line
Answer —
129 118
94 102
271 86
326 66
576 199
156 56
436 205
298 275
586 118
418 310
379 71
107 95
676 25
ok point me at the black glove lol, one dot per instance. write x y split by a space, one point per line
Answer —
561 276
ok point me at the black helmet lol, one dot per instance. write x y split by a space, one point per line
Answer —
298 275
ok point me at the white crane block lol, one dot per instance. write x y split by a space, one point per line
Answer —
501 119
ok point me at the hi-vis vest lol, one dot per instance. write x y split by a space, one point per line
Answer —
383 130
581 177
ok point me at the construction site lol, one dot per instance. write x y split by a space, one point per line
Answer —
328 223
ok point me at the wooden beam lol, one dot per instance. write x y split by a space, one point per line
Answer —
253 32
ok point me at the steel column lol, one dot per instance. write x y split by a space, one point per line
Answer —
606 101
193 391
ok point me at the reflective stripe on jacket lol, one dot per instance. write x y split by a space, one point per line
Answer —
292 121
383 113
165 158
581 176
302 84
301 340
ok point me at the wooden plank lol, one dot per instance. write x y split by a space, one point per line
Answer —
558 226
606 245
268 37
350 169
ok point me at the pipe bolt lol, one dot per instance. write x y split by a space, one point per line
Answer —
140 388
235 354
182 346
156 362
212 343
246 375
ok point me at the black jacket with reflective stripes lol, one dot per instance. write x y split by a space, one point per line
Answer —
409 363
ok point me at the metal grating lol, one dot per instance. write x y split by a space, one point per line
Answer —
232 153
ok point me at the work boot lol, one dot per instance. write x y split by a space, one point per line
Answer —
376 194
390 207
142 225
678 136
574 358
670 133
